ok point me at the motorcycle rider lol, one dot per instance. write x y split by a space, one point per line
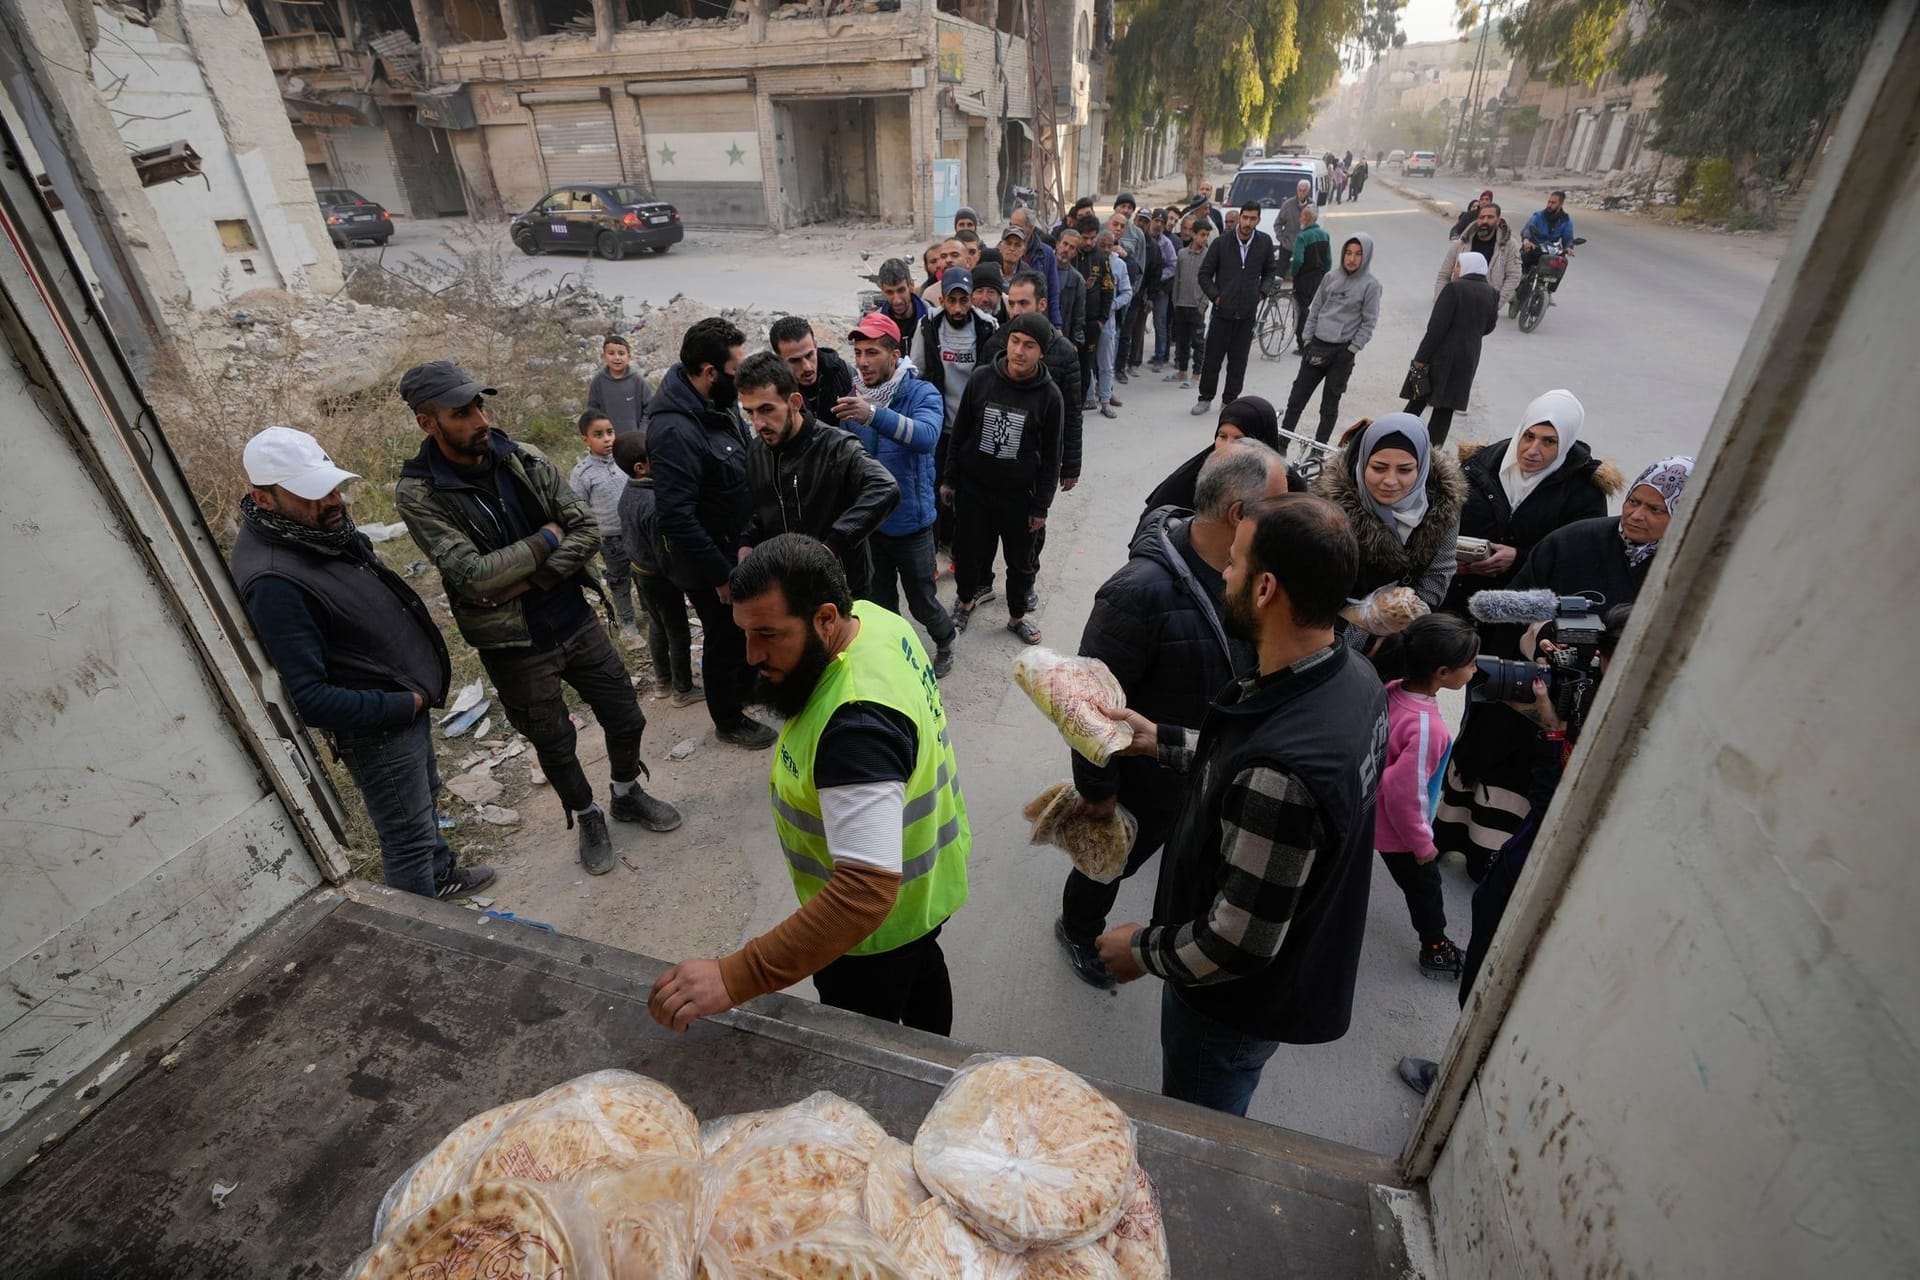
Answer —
1544 227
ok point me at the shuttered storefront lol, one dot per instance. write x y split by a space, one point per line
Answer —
577 141
703 149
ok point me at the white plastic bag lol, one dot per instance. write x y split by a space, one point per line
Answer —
843 1249
500 1230
825 1105
602 1120
1098 846
654 1216
786 1178
1138 1242
441 1169
1386 612
1028 1153
1071 692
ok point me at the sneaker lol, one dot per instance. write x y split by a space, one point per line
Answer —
962 615
596 846
650 812
1087 964
1156 365
1203 406
1120 376
1106 410
688 696
1440 959
748 733
1024 628
943 660
1089 406
462 881
1418 1073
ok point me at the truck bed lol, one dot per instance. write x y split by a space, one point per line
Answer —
314 1069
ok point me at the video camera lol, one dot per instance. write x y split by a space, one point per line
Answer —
1572 670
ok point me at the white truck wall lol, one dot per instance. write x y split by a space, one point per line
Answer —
139 840
1711 1066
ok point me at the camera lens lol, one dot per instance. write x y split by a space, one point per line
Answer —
1503 680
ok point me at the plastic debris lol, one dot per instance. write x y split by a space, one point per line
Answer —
465 700
478 787
508 915
446 822
486 722
684 748
498 815
384 532
221 1190
455 726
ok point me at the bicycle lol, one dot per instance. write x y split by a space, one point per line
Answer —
1314 454
1273 323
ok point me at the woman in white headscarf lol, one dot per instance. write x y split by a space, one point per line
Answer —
1449 354
1520 490
1483 800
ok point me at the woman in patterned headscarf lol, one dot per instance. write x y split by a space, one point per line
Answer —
1484 798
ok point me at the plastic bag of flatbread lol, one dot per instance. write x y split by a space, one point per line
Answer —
894 1190
654 1217
843 1249
1098 846
602 1120
1088 1262
1138 1242
441 1169
1031 1155
825 1105
1071 692
937 1244
789 1177
1387 612
501 1230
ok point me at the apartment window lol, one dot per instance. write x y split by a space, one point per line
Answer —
236 234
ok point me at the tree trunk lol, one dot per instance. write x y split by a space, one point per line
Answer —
1756 193
1196 150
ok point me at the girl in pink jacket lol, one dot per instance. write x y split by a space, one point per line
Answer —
1439 650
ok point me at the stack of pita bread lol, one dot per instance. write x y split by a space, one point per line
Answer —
1098 846
1071 692
1022 1171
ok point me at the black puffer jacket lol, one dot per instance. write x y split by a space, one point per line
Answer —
702 501
1577 491
1163 635
1426 561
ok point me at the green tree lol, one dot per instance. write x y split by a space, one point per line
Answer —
1745 81
1240 68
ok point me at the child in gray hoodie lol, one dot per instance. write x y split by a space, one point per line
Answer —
1339 323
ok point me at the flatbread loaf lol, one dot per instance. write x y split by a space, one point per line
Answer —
1098 845
654 1216
1031 1155
441 1169
791 1177
844 1249
490 1231
936 1245
589 1124
825 1106
1088 1262
1138 1242
894 1190
1070 692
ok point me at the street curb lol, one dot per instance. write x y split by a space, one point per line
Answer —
1430 203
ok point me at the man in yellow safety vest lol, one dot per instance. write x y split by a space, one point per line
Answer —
866 801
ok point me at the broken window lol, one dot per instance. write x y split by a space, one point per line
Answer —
556 17
473 20
236 234
377 16
641 12
295 17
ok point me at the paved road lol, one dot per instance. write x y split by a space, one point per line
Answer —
1652 323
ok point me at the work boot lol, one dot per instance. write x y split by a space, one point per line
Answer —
1418 1073
688 696
650 812
748 733
1087 964
596 846
1440 959
462 882
1115 401
943 660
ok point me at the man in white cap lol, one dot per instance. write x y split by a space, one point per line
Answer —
356 649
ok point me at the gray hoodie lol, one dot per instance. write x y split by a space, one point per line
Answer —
1346 307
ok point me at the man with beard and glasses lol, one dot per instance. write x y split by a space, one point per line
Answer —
356 648
514 546
703 507
866 800
1262 901
807 476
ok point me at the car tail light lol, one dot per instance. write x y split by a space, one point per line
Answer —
675 214
333 217
630 219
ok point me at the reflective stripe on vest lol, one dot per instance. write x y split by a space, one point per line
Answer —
884 665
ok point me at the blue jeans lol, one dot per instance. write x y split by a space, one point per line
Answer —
398 779
1207 1062
1109 347
1162 332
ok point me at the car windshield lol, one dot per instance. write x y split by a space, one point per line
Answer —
340 195
1269 187
630 195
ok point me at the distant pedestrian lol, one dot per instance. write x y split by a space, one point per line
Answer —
903 305
1468 214
1073 294
1130 243
1312 259
1189 306
946 348
1489 236
617 389
1286 223
1339 183
1238 271
1163 291
965 219
1100 395
1039 257
1356 180
1444 364
1345 309
669 639
597 481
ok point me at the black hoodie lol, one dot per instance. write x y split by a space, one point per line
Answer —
1007 435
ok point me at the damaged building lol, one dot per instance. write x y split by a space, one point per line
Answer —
743 113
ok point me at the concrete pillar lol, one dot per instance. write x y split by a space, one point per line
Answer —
924 122
510 19
605 25
433 33
233 62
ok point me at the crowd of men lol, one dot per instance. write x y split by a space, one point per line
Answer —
787 498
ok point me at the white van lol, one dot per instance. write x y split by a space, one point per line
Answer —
1253 151
1271 181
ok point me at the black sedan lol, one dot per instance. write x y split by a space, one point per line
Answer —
610 221
351 216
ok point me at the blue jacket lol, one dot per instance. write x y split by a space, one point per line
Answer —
1539 232
903 438
1041 258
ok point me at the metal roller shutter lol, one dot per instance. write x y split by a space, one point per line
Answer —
577 142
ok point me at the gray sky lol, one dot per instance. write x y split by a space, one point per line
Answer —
1424 20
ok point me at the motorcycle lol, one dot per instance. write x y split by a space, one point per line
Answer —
1531 299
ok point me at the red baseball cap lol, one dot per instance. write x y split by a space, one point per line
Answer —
876 325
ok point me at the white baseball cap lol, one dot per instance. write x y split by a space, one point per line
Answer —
295 461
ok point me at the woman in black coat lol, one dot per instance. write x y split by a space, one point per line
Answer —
1248 418
1483 799
1463 314
1521 490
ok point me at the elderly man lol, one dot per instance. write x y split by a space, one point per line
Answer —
1157 622
514 547
1286 223
1039 257
356 648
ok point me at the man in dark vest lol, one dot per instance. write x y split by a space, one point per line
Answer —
1262 902
356 649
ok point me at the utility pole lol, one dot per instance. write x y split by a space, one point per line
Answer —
1472 102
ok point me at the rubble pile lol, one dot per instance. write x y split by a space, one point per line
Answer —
655 331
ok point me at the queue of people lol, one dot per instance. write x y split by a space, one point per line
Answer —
1281 732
